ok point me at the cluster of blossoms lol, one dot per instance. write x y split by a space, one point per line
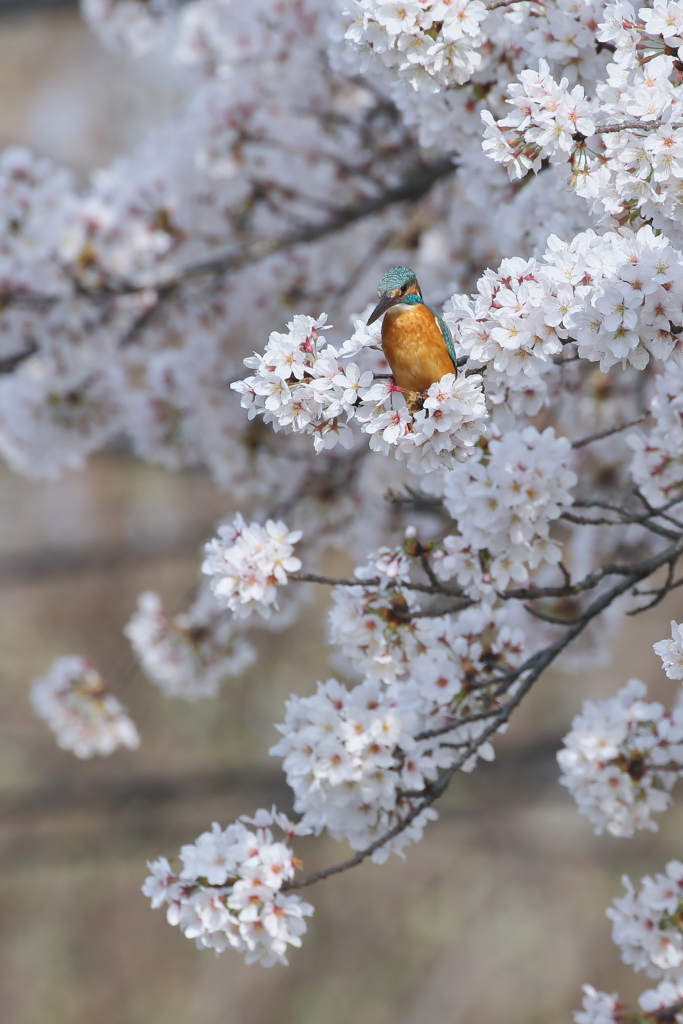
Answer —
301 385
372 624
601 1008
636 172
504 500
228 893
190 655
445 430
430 45
545 120
247 563
347 754
657 463
374 630
51 421
648 928
647 925
72 699
34 202
361 760
436 47
625 173
617 296
134 27
614 761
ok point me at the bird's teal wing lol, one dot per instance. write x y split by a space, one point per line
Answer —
447 337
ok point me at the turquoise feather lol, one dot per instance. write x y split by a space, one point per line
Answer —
447 337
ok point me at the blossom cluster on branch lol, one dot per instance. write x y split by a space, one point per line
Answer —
228 893
359 761
504 501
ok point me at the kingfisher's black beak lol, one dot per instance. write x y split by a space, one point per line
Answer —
381 307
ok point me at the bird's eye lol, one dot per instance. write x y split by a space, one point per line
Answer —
404 289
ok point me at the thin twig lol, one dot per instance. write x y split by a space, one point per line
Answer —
413 497
643 521
608 432
334 581
648 593
495 4
632 126
660 594
436 613
477 716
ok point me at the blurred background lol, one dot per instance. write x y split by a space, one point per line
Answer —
497 915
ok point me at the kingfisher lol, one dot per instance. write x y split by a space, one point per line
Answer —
417 343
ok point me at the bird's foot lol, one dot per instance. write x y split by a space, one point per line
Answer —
414 400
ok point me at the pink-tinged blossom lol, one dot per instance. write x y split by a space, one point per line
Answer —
545 118
598 1007
430 45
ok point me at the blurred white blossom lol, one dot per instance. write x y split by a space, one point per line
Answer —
191 654
85 718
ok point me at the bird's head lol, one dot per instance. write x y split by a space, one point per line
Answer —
395 286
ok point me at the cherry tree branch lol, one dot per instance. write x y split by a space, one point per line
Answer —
599 434
416 184
414 187
631 126
8 364
495 4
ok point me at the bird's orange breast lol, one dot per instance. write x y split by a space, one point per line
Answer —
415 347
